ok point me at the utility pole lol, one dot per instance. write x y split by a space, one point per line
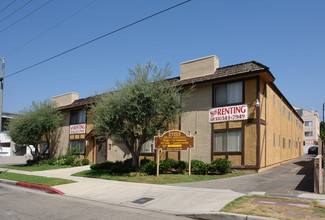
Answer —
1 91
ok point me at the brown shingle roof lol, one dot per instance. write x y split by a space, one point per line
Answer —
80 103
220 73
228 71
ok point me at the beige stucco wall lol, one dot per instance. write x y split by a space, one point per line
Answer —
63 143
118 151
196 120
65 99
278 127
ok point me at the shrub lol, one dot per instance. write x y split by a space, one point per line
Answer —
70 159
119 167
167 165
144 161
220 165
181 166
76 162
31 162
44 162
106 165
199 167
149 168
84 162
52 161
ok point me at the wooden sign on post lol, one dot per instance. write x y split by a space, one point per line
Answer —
174 140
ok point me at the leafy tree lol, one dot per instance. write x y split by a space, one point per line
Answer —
142 105
37 123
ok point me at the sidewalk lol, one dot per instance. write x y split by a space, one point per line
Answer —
165 198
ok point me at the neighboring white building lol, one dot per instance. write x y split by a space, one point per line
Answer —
7 146
311 126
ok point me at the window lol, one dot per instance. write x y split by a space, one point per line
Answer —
78 117
230 93
148 147
284 111
279 141
78 146
308 133
296 122
289 116
227 141
289 143
284 143
308 123
274 139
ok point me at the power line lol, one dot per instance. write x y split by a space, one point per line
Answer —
26 16
16 10
51 28
7 6
95 39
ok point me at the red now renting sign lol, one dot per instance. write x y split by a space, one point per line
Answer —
78 129
229 113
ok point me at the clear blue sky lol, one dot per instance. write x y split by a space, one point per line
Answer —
287 36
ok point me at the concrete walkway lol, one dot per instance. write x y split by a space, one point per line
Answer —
194 198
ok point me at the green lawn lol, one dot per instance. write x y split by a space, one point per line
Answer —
40 180
162 179
36 167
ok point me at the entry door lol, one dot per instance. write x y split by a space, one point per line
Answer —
101 145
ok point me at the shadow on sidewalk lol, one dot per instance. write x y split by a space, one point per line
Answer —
307 183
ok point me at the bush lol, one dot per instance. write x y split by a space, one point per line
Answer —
84 162
76 162
167 165
181 166
119 167
144 162
220 165
70 159
106 165
52 161
199 167
44 162
149 168
31 162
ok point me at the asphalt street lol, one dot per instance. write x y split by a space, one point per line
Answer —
27 204
290 179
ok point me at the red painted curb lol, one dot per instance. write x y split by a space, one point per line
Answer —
47 189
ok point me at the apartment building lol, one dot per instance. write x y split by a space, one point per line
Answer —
235 112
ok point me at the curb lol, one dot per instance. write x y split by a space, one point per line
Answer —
46 189
227 216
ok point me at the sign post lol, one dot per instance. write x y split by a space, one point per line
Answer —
174 140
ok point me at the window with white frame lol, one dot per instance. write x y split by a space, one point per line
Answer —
77 146
230 93
279 105
227 141
148 147
308 133
43 148
289 117
308 123
284 143
284 111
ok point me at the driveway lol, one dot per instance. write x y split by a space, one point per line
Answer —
291 179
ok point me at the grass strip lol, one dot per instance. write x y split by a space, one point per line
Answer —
244 205
161 179
36 167
40 180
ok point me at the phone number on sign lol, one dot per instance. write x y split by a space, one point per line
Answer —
228 117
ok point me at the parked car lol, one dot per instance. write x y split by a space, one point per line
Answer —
313 150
